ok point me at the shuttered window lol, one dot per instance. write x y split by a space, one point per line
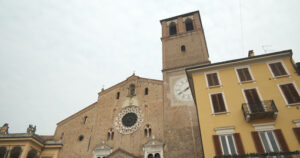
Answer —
218 102
270 141
290 93
228 144
254 102
212 79
297 133
244 74
278 69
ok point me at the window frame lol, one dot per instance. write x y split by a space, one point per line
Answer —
227 144
283 65
282 93
169 28
238 76
206 79
212 106
269 141
192 22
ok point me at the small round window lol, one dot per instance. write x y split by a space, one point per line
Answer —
80 138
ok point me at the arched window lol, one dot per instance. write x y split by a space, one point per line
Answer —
85 119
157 155
110 134
183 48
15 152
132 90
147 130
32 154
2 151
189 24
118 95
146 91
172 28
150 156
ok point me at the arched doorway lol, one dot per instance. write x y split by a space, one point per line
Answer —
32 154
15 152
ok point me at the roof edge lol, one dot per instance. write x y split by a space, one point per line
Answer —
174 17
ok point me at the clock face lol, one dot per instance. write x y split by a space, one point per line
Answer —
182 90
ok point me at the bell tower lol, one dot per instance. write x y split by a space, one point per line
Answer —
183 45
183 41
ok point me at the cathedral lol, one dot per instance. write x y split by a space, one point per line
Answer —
138 117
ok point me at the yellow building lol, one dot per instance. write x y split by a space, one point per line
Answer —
248 105
27 145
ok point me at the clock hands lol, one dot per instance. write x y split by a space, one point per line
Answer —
183 90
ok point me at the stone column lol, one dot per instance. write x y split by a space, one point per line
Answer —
25 151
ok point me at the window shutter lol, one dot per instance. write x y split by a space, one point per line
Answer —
294 94
283 145
247 74
215 103
241 75
209 79
290 93
274 70
221 102
281 69
257 142
297 133
239 144
218 102
217 144
215 78
278 69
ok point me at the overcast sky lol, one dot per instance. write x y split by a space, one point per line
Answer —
56 55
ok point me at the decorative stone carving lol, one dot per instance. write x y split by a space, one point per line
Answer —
153 147
129 119
31 129
101 150
4 129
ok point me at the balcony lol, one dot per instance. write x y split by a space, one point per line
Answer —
260 110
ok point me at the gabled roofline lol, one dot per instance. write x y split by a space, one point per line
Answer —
122 82
73 115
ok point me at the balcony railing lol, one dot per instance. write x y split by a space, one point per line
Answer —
260 110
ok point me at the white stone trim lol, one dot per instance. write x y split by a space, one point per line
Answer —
224 130
186 17
169 22
297 122
264 126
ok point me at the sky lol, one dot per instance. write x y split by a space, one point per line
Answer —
55 56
